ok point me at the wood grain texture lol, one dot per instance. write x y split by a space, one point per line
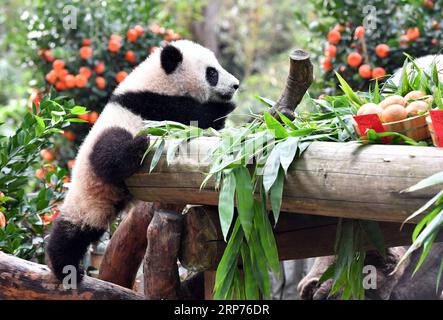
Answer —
298 236
331 179
161 279
21 279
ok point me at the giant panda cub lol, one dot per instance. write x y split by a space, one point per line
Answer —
182 82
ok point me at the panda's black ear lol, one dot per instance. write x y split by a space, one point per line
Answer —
170 58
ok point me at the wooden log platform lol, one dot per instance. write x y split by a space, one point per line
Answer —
330 179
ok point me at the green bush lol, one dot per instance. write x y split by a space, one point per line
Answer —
30 190
394 23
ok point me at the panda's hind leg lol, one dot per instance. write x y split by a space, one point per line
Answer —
68 244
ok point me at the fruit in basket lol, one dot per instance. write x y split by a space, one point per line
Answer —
393 100
394 112
370 108
415 106
414 95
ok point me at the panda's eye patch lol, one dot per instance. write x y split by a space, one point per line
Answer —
212 76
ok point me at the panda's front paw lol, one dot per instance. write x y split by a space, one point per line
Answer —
140 144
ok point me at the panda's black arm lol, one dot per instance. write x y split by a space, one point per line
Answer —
186 110
116 155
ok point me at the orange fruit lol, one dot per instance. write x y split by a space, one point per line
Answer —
394 112
132 35
414 107
80 80
354 59
114 45
120 76
48 56
378 73
339 28
85 52
86 42
100 68
40 174
85 71
330 51
428 4
326 64
156 29
58 64
334 37
435 24
51 77
365 71
69 135
93 117
395 99
60 86
2 220
70 81
66 179
413 34
414 95
382 50
100 82
84 116
115 37
130 56
359 32
47 155
139 29
71 164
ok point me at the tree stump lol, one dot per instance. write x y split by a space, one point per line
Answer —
161 278
299 79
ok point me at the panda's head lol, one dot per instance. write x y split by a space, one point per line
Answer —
197 72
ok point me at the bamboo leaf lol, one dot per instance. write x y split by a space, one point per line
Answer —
157 155
426 183
374 235
271 168
425 207
277 194
288 149
251 286
275 126
226 203
245 199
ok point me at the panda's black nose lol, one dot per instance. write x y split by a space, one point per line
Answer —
235 86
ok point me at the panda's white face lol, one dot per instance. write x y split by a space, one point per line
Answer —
198 72
182 68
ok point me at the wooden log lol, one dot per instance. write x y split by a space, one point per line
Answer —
127 247
21 279
299 79
297 236
161 279
330 179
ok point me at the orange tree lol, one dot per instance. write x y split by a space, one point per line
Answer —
366 39
85 50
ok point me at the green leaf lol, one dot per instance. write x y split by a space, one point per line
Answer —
157 155
271 168
226 203
374 235
288 149
426 183
275 126
245 199
277 194
40 122
251 286
77 110
348 91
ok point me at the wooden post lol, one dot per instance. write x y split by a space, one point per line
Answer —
161 279
26 280
299 79
127 247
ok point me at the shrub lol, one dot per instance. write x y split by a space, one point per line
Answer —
359 52
32 183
